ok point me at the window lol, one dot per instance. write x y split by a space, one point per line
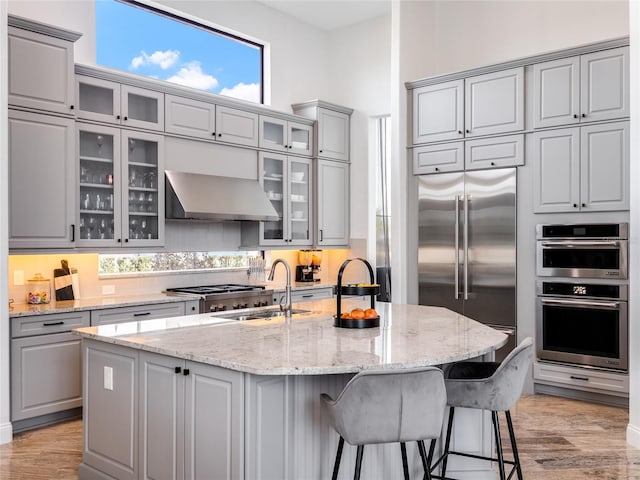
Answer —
145 40
176 262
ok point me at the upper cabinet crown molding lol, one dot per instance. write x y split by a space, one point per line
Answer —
521 62
43 28
321 104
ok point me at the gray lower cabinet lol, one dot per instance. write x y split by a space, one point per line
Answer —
46 377
187 423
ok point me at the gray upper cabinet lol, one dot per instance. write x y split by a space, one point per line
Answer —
41 193
285 136
332 203
332 128
584 88
188 117
494 102
438 158
494 152
236 126
438 112
582 169
37 52
106 101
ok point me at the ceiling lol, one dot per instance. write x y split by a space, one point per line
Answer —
331 14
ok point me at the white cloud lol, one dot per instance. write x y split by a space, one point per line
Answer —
164 60
244 91
191 75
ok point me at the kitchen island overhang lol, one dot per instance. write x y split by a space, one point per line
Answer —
203 397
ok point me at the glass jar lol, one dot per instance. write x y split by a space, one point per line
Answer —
39 290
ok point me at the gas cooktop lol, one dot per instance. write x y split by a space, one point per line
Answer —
216 289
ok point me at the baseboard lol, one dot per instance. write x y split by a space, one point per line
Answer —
6 433
633 435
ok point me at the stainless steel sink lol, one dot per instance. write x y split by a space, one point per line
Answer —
263 313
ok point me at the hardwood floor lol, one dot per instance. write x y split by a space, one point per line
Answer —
558 439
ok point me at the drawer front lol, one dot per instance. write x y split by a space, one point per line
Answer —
494 152
580 378
309 295
48 323
445 157
134 314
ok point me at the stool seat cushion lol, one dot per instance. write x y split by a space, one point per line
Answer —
469 386
389 406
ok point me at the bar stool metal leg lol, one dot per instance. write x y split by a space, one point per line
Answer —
496 429
336 465
359 453
514 447
405 464
447 442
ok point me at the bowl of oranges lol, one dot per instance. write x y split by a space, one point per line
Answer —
358 318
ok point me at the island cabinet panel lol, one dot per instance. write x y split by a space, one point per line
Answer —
213 412
111 411
268 429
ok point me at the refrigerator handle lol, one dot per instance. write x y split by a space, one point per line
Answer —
456 249
466 247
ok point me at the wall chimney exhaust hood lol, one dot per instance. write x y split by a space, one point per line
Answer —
211 197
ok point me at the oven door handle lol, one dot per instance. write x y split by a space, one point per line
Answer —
580 244
580 303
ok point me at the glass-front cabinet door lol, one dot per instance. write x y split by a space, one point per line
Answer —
300 138
299 175
284 136
99 171
286 181
273 168
143 189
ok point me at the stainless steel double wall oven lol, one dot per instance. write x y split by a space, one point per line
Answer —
582 310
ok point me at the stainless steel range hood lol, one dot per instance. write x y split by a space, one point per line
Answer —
211 197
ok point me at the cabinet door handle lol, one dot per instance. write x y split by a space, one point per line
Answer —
185 372
143 314
73 232
575 377
321 235
178 369
52 324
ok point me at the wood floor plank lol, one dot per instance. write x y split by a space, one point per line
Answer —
558 439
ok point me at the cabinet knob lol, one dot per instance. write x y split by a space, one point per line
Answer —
185 372
126 118
71 107
219 134
583 205
459 132
290 146
575 205
584 115
117 117
320 151
287 146
178 369
119 240
575 115
468 131
214 134
126 240
436 169
493 164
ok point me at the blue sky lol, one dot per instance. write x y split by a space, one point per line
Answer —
134 40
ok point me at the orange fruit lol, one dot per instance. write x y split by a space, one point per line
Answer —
370 313
357 313
345 315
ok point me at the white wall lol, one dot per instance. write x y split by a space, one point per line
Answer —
5 424
359 78
633 429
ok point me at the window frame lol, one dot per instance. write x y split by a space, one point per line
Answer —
181 17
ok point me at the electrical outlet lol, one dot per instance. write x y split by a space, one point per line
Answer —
108 289
18 277
108 378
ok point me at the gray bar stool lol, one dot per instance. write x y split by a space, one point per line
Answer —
387 407
488 386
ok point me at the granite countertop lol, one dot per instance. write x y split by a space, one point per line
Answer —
95 303
408 336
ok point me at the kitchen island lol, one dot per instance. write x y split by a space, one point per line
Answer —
208 397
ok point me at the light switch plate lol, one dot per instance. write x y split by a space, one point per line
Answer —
108 289
18 277
108 378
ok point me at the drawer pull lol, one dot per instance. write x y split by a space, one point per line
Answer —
52 324
143 314
575 377
307 296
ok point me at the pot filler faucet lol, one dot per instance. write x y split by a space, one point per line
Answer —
286 308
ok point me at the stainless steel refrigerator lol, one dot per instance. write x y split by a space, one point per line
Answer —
467 246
